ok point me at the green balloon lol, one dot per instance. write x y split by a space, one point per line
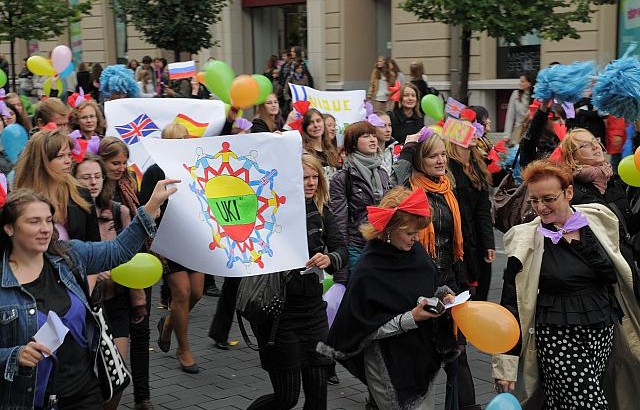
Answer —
3 78
327 283
142 271
628 171
265 86
433 106
219 76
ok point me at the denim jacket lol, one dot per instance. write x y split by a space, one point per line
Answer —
18 311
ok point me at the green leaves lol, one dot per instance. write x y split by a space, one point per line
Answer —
179 25
510 19
38 19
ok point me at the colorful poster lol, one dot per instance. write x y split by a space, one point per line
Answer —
239 209
135 119
454 107
457 131
629 24
346 106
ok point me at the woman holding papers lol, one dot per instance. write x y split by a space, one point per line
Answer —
571 291
386 332
423 164
42 277
292 356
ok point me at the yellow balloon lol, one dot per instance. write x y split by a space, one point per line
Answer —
142 271
437 129
40 66
490 327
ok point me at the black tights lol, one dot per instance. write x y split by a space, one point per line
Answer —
286 390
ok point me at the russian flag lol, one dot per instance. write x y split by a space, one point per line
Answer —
185 69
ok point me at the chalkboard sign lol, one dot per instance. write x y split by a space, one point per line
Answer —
515 60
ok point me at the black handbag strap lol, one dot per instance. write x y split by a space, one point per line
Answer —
515 160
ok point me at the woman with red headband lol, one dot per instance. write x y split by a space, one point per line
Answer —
384 333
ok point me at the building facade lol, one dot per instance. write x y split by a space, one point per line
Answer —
343 38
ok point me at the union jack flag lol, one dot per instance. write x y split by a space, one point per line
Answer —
136 129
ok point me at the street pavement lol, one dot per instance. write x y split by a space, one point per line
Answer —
233 379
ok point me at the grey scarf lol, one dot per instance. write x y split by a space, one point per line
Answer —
368 167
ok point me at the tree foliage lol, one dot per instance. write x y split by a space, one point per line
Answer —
508 19
178 25
38 19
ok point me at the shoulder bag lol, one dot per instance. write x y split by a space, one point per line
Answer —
261 300
112 371
509 205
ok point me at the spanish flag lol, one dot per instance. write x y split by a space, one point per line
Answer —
196 129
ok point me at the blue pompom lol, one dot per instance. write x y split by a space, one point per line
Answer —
566 83
118 79
617 91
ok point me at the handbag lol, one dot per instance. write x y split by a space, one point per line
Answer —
260 300
509 204
113 373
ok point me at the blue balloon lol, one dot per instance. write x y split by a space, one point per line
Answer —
67 71
14 139
504 401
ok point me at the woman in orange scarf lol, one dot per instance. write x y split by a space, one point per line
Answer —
423 164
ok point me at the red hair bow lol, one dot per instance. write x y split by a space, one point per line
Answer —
301 107
416 204
395 92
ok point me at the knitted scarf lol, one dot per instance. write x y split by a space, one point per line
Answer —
428 235
598 175
128 196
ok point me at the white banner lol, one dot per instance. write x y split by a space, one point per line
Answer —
346 106
134 119
240 208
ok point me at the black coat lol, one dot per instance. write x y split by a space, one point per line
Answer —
477 224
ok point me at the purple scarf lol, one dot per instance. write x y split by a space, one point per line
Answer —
575 222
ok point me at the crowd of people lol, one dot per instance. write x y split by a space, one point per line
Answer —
398 214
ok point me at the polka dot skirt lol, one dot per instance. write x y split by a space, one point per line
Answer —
571 360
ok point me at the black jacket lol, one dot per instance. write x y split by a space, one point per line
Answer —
403 125
538 142
80 224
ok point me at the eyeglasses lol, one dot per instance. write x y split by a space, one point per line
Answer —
88 117
593 143
85 178
547 200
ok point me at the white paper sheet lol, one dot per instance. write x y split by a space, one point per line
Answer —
460 299
52 333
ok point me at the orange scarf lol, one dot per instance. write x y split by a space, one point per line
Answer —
428 234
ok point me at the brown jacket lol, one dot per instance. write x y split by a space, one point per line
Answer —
621 380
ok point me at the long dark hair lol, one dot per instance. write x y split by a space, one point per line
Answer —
531 78
17 201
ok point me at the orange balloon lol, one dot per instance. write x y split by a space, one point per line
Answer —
244 91
490 327
200 77
636 158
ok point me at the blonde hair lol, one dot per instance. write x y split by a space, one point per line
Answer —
74 117
174 131
478 172
399 220
321 197
34 171
261 113
569 147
